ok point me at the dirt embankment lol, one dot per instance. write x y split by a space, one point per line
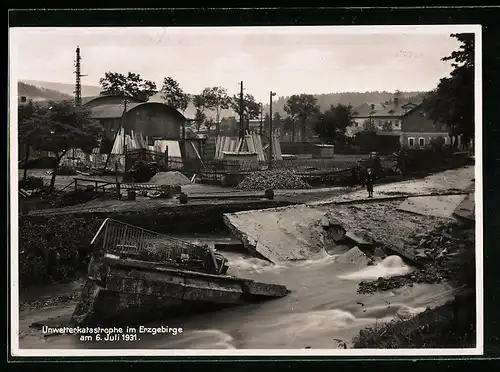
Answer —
447 254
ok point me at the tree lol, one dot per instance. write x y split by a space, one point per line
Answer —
368 126
217 100
58 127
27 131
173 95
277 121
114 83
229 125
288 125
251 109
199 119
367 138
331 125
452 102
301 107
387 126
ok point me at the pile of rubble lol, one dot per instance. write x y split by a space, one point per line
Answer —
446 253
273 179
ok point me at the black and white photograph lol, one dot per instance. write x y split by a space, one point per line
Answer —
246 191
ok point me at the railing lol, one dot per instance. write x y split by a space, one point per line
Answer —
122 239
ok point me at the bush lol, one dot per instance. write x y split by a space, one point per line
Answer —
65 170
31 183
44 162
55 250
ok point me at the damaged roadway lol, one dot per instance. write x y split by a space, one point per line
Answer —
378 227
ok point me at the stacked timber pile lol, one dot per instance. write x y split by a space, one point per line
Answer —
252 143
275 179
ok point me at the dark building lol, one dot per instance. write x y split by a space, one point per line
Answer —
152 119
418 130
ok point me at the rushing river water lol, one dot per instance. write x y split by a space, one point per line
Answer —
322 308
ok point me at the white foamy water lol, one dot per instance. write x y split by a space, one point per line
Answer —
388 267
322 308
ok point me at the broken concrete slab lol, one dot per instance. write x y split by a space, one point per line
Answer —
132 291
230 247
337 249
466 209
333 228
438 206
280 234
354 255
361 240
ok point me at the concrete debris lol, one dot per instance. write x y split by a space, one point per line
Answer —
333 228
362 240
354 255
151 275
442 253
278 234
467 209
438 206
273 179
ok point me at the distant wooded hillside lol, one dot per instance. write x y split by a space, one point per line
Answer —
39 94
324 100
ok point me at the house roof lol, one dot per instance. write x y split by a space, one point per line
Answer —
383 109
89 99
115 110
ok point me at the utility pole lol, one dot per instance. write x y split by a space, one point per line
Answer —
271 95
78 85
260 127
242 125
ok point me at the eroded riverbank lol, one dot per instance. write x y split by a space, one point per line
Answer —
324 309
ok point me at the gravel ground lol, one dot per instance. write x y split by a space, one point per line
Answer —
276 179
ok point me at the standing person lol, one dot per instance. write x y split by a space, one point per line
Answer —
370 179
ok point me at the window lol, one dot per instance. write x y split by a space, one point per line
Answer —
421 141
396 123
411 141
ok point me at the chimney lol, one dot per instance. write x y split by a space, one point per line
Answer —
372 106
396 101
23 99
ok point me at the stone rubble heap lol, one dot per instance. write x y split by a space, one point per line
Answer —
273 179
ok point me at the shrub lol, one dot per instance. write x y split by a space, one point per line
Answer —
56 250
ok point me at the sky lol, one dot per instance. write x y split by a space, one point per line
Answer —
287 60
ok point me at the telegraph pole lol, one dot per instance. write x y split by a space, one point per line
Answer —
242 126
260 126
78 85
271 95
